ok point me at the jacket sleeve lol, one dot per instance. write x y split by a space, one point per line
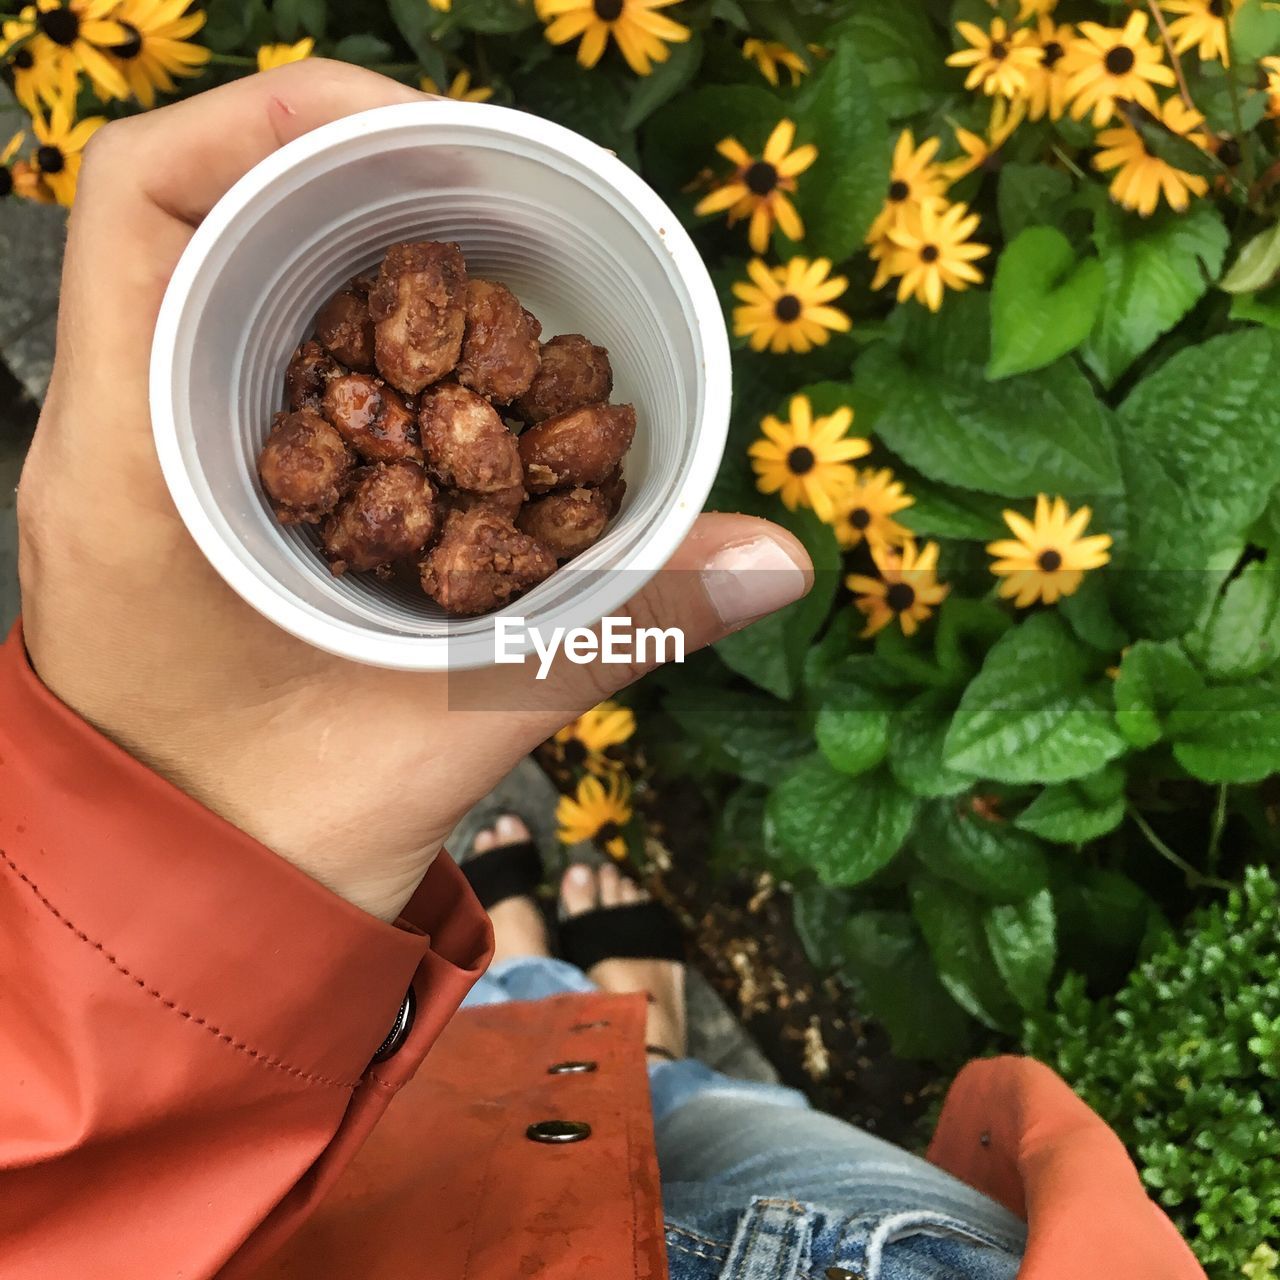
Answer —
1013 1128
186 1020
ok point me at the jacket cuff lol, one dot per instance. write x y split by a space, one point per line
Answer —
203 918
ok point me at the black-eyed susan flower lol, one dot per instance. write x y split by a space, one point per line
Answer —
982 150
460 88
280 55
7 185
770 55
1202 25
587 741
1047 557
641 33
867 513
84 31
1000 61
1271 68
907 589
759 186
1141 177
597 811
43 72
1028 9
1106 65
931 252
787 308
1047 87
441 6
805 460
157 45
61 140
913 178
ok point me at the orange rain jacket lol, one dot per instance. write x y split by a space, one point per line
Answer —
186 1028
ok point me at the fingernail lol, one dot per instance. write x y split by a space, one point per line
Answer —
746 581
580 876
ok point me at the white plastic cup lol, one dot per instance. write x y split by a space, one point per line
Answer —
584 243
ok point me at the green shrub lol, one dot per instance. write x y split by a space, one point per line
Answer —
1185 1064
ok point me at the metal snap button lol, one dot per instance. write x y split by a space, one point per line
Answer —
589 1026
400 1028
839 1273
570 1068
558 1131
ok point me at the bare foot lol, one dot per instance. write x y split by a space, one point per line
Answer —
584 888
518 926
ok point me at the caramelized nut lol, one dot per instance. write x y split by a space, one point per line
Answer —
373 419
466 444
573 372
581 447
303 467
481 562
387 515
500 352
566 523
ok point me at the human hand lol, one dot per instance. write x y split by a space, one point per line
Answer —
353 774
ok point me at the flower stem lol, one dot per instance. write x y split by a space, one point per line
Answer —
1215 830
1195 879
1173 57
1243 139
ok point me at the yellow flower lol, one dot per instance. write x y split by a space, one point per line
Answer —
75 33
907 588
769 55
280 55
1047 90
441 6
869 510
786 308
1141 177
1105 65
758 188
42 71
57 159
6 171
1047 558
913 178
156 47
459 89
1202 23
596 813
806 460
587 740
1028 9
980 149
641 32
931 252
1000 60
1271 66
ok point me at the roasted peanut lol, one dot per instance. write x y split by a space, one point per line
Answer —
387 515
573 372
344 327
373 419
466 444
581 447
303 467
309 372
481 561
565 523
500 352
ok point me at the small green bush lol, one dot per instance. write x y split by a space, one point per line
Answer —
1185 1063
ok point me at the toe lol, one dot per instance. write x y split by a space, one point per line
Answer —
485 840
630 891
578 889
611 883
511 830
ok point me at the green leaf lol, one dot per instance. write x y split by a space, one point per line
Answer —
1230 734
1088 613
903 56
1023 940
1240 635
990 858
942 511
1255 30
1258 308
1043 302
1151 679
1156 271
494 17
1200 464
664 82
1031 714
362 50
1031 195
1103 918
916 736
284 13
966 630
821 914
953 926
852 727
845 828
1077 812
887 960
413 20
841 194
1256 265
757 735
1042 432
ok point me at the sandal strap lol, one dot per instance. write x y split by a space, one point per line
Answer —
660 1051
636 931
509 871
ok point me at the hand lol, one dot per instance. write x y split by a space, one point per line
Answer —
353 774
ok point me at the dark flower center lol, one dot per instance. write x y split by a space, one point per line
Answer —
610 831
131 45
575 752
24 60
761 178
898 191
1229 153
60 25
50 160
929 253
1119 61
609 10
6 182
787 308
999 50
859 517
800 461
1217 8
900 597
1050 54
1050 561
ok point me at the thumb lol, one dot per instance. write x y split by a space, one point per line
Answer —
730 571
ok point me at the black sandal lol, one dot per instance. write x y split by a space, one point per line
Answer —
506 871
633 931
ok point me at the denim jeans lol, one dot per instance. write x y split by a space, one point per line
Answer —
756 1186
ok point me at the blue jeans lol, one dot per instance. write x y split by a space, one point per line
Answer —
756 1186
